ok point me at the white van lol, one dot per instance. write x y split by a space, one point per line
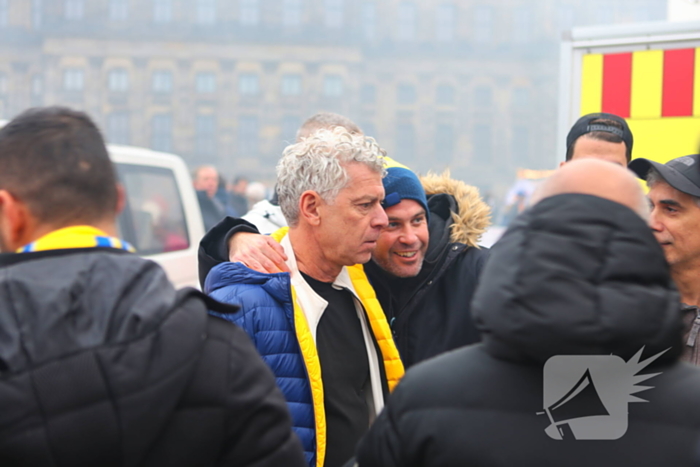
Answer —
161 219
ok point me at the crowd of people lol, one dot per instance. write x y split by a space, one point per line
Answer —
352 319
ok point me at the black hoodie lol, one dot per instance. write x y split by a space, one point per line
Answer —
103 363
574 275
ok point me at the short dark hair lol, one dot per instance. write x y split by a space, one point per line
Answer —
328 121
55 161
602 136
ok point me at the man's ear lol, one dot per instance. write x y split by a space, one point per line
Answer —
309 204
15 222
121 199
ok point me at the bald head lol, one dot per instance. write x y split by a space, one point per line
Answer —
597 178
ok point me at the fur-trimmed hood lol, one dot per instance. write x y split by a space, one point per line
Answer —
474 214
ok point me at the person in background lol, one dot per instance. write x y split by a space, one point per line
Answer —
205 182
236 195
102 362
600 136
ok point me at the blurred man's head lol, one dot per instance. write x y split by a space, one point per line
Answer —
674 196
206 178
326 121
403 242
330 188
597 178
54 172
600 136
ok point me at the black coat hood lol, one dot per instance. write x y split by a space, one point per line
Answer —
577 275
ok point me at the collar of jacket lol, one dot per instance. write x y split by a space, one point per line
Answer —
77 236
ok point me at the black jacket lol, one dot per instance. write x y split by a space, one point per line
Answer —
103 363
430 314
574 275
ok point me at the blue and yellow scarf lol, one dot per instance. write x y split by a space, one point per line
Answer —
78 236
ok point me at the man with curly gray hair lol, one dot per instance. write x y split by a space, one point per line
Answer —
320 327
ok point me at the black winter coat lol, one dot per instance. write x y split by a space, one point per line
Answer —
103 364
430 314
574 275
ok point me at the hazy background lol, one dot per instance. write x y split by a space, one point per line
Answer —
469 85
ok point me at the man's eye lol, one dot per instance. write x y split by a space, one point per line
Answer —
366 205
392 225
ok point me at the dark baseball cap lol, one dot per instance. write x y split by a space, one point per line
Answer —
682 173
584 126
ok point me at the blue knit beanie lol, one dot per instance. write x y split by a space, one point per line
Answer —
401 183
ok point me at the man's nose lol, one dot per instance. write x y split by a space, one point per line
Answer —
379 219
654 223
408 236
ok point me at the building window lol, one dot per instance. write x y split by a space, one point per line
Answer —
162 11
407 21
118 80
205 143
3 84
483 24
248 138
333 86
37 13
162 82
250 12
444 143
291 85
248 84
73 79
162 132
521 98
205 82
520 146
290 126
118 10
405 142
291 13
445 95
334 13
406 94
37 86
206 11
483 96
482 143
445 23
369 20
74 9
118 128
368 94
522 24
4 13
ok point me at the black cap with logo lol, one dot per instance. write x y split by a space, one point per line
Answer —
682 173
583 126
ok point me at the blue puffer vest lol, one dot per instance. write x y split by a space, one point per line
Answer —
267 316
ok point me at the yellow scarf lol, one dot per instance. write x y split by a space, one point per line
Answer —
77 236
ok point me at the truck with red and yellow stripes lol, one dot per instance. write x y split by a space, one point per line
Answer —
648 73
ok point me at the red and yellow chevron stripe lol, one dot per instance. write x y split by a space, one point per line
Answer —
657 91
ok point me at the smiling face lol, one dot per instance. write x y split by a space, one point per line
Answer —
350 225
403 242
675 221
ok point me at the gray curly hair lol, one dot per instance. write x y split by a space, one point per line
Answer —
317 163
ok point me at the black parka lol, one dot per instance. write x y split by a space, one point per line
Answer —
103 363
574 275
430 314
